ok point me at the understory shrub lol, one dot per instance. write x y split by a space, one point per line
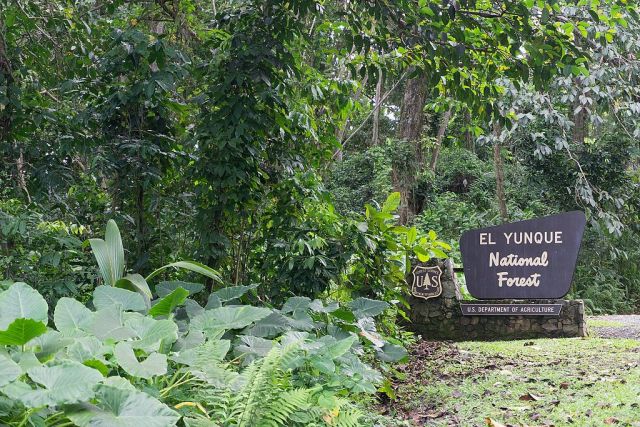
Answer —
141 354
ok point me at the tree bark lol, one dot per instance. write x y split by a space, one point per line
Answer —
499 171
375 138
581 118
439 137
468 137
409 129
412 110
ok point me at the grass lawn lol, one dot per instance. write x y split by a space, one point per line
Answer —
559 382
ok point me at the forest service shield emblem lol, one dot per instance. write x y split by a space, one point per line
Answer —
426 282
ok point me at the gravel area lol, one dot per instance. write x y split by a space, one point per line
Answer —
618 326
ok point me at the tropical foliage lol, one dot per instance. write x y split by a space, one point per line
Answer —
276 169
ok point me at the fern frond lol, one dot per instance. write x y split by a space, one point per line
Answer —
288 402
350 417
261 387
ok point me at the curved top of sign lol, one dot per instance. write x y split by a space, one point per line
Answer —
532 259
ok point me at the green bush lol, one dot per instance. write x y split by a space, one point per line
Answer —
49 254
141 354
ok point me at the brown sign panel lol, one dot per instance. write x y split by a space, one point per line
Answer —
470 309
532 259
426 282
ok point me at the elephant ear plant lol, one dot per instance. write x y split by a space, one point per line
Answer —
132 361
109 254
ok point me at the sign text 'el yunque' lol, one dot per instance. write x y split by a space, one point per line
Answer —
533 259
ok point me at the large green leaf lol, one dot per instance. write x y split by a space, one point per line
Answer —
136 283
229 317
71 317
21 331
166 305
151 333
270 326
196 267
392 203
21 301
365 307
391 353
86 348
154 364
165 288
103 258
252 348
108 323
116 249
69 382
120 407
339 347
49 343
232 292
9 370
107 296
206 355
294 304
109 254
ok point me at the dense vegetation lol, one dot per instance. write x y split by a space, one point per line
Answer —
275 168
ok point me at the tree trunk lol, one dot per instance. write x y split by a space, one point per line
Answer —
439 137
468 137
499 171
409 129
412 111
580 119
375 138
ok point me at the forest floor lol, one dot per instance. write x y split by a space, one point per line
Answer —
545 382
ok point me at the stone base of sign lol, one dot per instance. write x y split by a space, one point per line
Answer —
441 318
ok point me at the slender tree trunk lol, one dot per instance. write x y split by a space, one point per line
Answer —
409 129
468 137
499 171
375 138
439 137
579 118
21 172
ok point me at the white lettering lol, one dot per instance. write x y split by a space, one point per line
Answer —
530 237
513 260
533 280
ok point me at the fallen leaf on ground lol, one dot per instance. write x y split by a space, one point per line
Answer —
529 397
611 420
494 423
564 386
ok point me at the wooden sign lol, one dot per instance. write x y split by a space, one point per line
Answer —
426 282
533 259
470 309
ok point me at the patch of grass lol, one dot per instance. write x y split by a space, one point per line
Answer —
584 382
602 323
